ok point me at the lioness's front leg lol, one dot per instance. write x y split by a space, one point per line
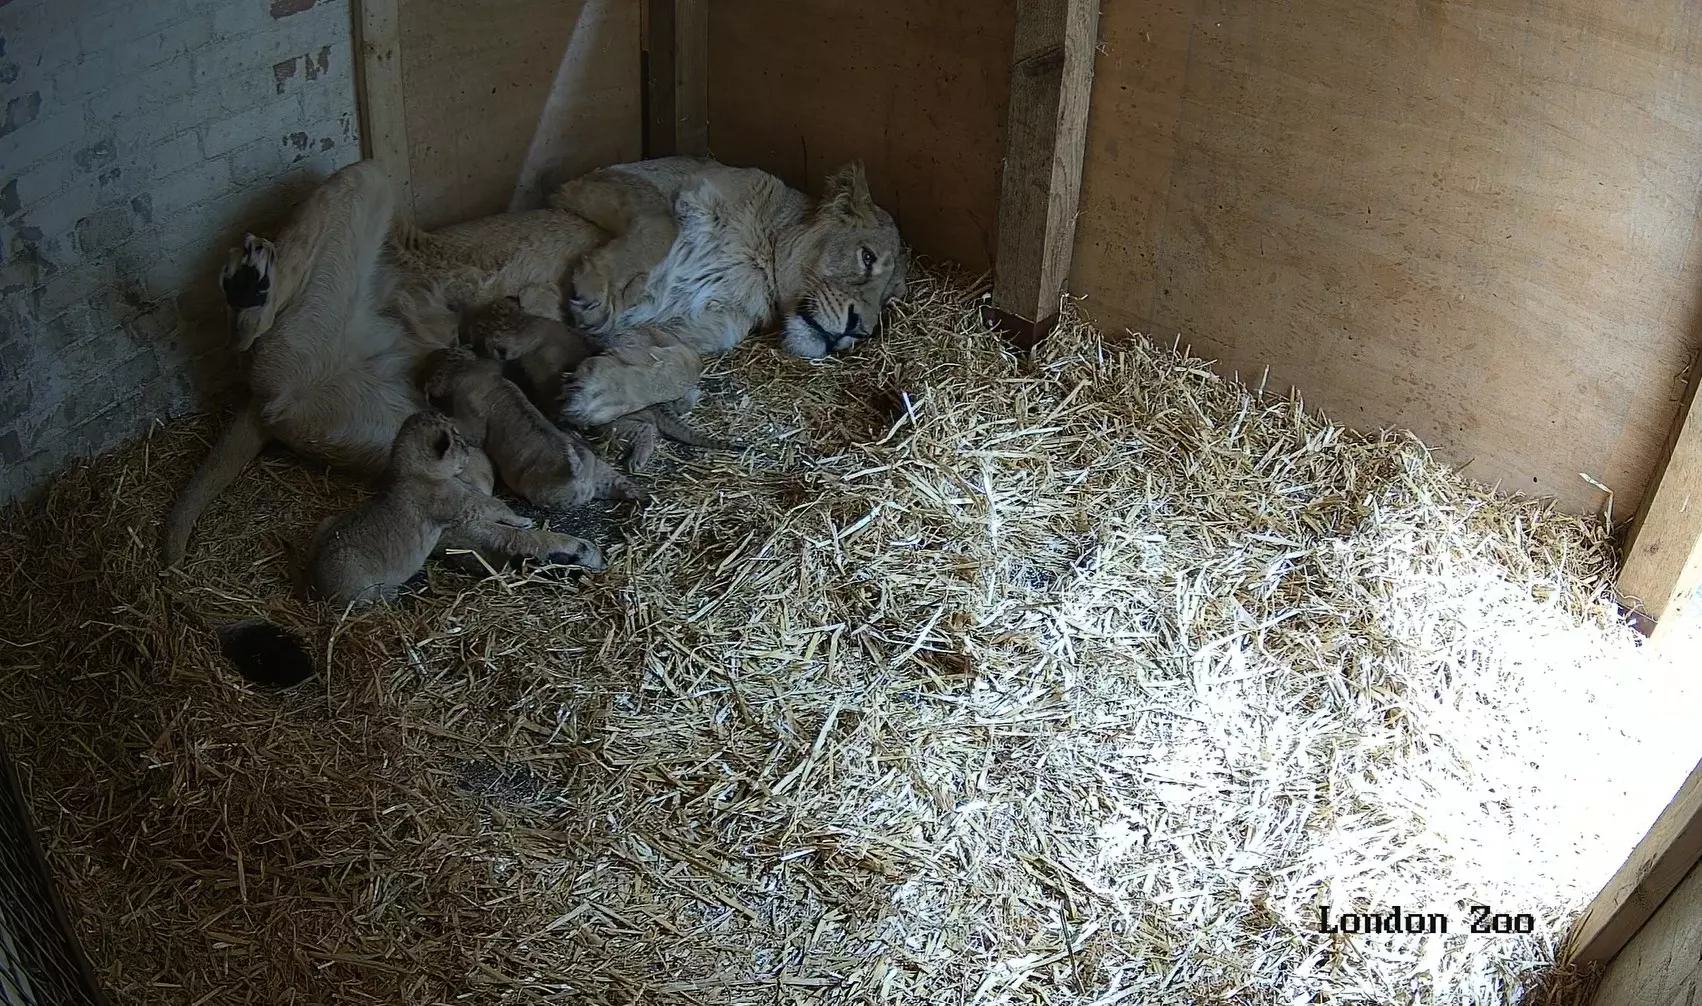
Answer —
626 379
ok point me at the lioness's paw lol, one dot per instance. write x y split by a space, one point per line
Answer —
591 315
247 276
594 395
591 305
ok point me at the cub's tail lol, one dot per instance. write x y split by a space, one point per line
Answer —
239 444
678 430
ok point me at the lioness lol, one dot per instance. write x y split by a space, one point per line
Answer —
333 318
368 553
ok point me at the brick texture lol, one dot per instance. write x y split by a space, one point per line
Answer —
140 138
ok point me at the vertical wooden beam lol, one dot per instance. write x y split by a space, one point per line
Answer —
1045 139
1663 558
677 76
378 92
691 76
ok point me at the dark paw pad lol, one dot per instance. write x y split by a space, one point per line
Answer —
246 287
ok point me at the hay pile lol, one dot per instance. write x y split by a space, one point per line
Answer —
1079 680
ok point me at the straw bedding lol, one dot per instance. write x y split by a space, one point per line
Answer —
1077 679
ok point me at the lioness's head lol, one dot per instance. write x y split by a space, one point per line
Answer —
840 269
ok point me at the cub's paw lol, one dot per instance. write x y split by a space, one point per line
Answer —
640 452
247 276
566 550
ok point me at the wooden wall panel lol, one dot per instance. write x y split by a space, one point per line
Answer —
917 90
505 96
1472 219
1659 966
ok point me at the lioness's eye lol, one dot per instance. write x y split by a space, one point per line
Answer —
868 260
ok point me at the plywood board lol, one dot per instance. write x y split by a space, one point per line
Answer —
1473 219
916 90
504 97
1660 967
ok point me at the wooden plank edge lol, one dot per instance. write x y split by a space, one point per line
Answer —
378 95
1669 850
1662 568
1069 154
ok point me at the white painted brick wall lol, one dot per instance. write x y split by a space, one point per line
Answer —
138 139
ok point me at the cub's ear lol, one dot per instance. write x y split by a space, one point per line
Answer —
847 192
443 444
513 299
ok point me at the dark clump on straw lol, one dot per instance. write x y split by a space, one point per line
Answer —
1082 677
266 654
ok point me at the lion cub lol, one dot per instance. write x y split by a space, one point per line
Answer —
548 466
544 351
369 552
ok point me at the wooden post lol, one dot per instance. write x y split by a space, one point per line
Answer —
677 77
1663 558
378 90
1045 139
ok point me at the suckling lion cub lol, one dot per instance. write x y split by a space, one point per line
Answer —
368 553
543 350
547 466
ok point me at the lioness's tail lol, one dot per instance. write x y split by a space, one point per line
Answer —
239 444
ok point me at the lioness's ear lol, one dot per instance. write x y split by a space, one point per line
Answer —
848 191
